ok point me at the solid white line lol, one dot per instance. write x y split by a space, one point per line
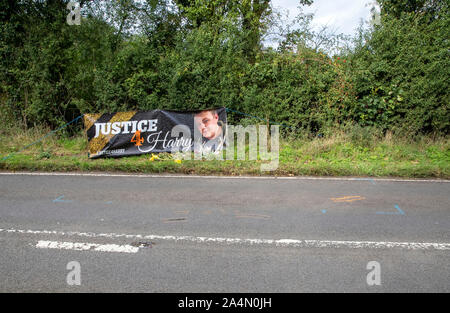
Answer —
240 241
81 246
369 179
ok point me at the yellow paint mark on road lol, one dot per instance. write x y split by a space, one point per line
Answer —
348 199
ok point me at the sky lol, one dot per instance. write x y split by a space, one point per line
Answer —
343 16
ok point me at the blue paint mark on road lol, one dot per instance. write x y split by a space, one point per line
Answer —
324 211
59 199
399 212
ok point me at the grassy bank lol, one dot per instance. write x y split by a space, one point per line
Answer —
338 153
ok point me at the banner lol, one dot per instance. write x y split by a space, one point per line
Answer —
133 133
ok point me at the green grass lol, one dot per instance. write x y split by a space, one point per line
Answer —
340 153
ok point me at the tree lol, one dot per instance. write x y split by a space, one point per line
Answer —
198 12
251 15
429 9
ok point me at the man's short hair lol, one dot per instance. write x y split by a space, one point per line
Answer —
213 111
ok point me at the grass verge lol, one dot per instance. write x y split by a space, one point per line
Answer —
340 153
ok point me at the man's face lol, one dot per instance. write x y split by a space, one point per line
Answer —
206 123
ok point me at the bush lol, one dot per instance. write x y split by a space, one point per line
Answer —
396 77
401 75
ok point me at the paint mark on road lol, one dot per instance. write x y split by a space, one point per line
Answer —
240 241
399 211
348 199
202 177
60 199
82 246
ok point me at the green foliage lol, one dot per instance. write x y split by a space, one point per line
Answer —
401 72
427 9
195 54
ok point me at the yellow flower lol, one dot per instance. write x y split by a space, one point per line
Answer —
154 157
178 161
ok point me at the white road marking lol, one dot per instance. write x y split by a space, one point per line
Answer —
240 241
81 246
369 179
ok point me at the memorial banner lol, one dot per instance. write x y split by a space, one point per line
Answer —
139 132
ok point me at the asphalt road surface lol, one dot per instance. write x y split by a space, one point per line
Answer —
131 233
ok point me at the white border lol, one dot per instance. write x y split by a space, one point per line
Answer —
90 174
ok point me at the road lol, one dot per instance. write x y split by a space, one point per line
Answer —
149 233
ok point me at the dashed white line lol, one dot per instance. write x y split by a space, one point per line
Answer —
242 241
82 246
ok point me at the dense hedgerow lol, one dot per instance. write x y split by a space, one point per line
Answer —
395 77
